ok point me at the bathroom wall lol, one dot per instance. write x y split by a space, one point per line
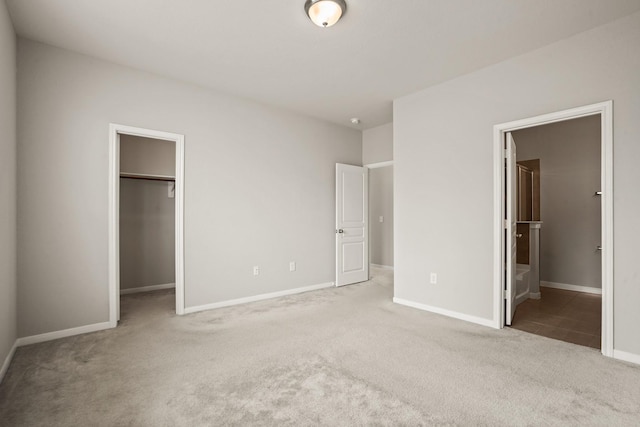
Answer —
569 154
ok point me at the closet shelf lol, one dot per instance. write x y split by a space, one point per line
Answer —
146 176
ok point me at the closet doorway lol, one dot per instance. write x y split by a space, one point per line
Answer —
146 249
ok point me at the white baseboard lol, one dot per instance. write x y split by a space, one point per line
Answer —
7 361
627 357
48 336
384 267
147 288
567 287
444 312
535 295
188 310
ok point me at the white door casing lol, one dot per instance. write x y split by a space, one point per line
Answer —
115 130
352 217
510 229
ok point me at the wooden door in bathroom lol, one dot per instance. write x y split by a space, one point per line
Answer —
510 228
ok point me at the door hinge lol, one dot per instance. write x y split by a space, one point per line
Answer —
505 294
506 154
506 224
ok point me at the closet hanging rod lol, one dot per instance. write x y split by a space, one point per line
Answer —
146 176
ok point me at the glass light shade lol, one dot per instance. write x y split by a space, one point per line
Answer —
325 13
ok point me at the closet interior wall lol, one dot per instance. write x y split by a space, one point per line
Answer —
147 213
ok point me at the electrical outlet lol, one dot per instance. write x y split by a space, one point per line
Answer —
256 270
292 266
433 278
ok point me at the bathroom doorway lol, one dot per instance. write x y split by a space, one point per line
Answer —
558 236
565 298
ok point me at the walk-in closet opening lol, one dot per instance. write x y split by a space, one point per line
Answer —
146 249
147 218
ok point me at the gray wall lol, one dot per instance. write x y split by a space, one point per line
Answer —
7 184
259 186
569 154
147 156
377 144
147 233
381 204
443 161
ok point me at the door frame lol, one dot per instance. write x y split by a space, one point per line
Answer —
370 166
115 130
605 110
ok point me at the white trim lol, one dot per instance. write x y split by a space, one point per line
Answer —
605 109
114 214
384 267
7 361
379 164
48 336
149 288
114 224
627 357
437 310
568 287
255 298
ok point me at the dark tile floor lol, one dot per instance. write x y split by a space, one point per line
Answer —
569 316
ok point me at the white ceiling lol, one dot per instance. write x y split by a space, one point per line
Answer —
269 51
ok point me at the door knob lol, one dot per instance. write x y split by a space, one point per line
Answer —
598 248
341 231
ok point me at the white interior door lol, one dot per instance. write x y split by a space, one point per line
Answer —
510 229
352 217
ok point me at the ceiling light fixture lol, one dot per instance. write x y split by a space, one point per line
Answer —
355 121
325 13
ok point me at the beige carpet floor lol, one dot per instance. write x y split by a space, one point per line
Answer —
346 356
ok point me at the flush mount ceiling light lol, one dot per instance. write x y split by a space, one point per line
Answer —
325 13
